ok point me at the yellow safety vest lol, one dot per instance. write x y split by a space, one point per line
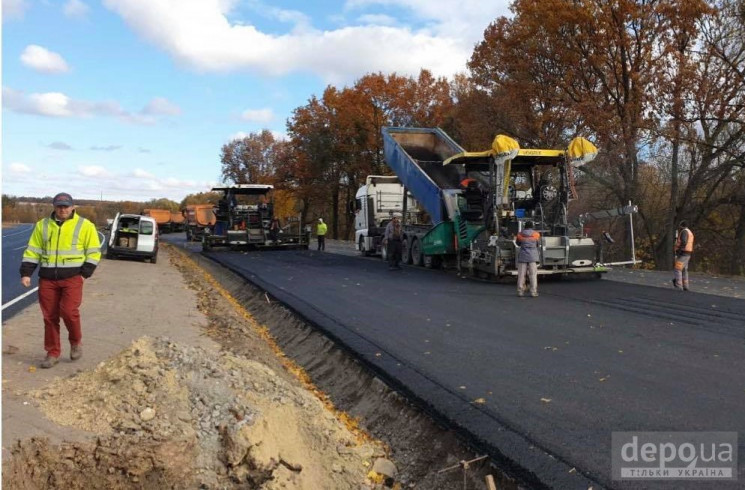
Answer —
322 228
67 246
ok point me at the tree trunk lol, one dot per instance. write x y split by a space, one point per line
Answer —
335 211
737 265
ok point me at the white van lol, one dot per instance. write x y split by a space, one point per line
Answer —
133 235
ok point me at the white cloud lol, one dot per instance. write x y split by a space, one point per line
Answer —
257 115
280 136
377 19
237 136
106 148
19 168
138 172
465 19
14 9
161 106
56 104
214 43
95 182
93 171
76 9
41 59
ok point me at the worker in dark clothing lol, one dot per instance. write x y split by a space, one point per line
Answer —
393 241
274 229
683 251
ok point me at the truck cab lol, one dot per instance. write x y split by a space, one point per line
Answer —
375 203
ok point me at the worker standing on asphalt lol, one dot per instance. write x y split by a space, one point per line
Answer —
528 258
393 241
66 248
321 230
683 251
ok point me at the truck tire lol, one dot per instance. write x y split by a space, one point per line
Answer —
406 251
154 259
432 261
417 258
361 247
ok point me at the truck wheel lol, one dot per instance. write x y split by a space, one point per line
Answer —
406 252
154 259
417 258
110 255
361 247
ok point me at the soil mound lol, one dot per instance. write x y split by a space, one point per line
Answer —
173 416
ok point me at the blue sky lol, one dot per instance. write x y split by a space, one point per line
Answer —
133 99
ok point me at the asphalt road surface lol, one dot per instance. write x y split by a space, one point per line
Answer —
543 381
15 240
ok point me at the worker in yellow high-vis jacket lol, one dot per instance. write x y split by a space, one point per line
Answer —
321 229
66 248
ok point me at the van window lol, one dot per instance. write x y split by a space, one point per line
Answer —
146 228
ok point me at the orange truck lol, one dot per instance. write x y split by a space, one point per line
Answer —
162 218
198 218
177 222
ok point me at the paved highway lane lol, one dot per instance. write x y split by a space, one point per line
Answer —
559 372
15 240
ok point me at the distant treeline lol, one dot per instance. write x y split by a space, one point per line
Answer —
32 209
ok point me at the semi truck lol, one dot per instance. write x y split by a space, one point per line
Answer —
375 203
244 218
473 204
197 219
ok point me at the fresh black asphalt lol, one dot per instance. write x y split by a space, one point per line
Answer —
541 383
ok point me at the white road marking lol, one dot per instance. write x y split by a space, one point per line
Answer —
19 298
17 233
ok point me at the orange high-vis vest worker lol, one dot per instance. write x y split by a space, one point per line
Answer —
688 247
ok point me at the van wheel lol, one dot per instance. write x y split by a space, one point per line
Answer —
110 255
154 259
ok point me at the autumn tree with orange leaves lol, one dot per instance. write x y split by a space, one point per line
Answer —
643 79
337 141
251 159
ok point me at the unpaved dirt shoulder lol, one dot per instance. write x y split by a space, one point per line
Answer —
123 301
154 403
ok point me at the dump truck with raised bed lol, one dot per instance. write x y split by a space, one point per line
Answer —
197 219
475 203
243 220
